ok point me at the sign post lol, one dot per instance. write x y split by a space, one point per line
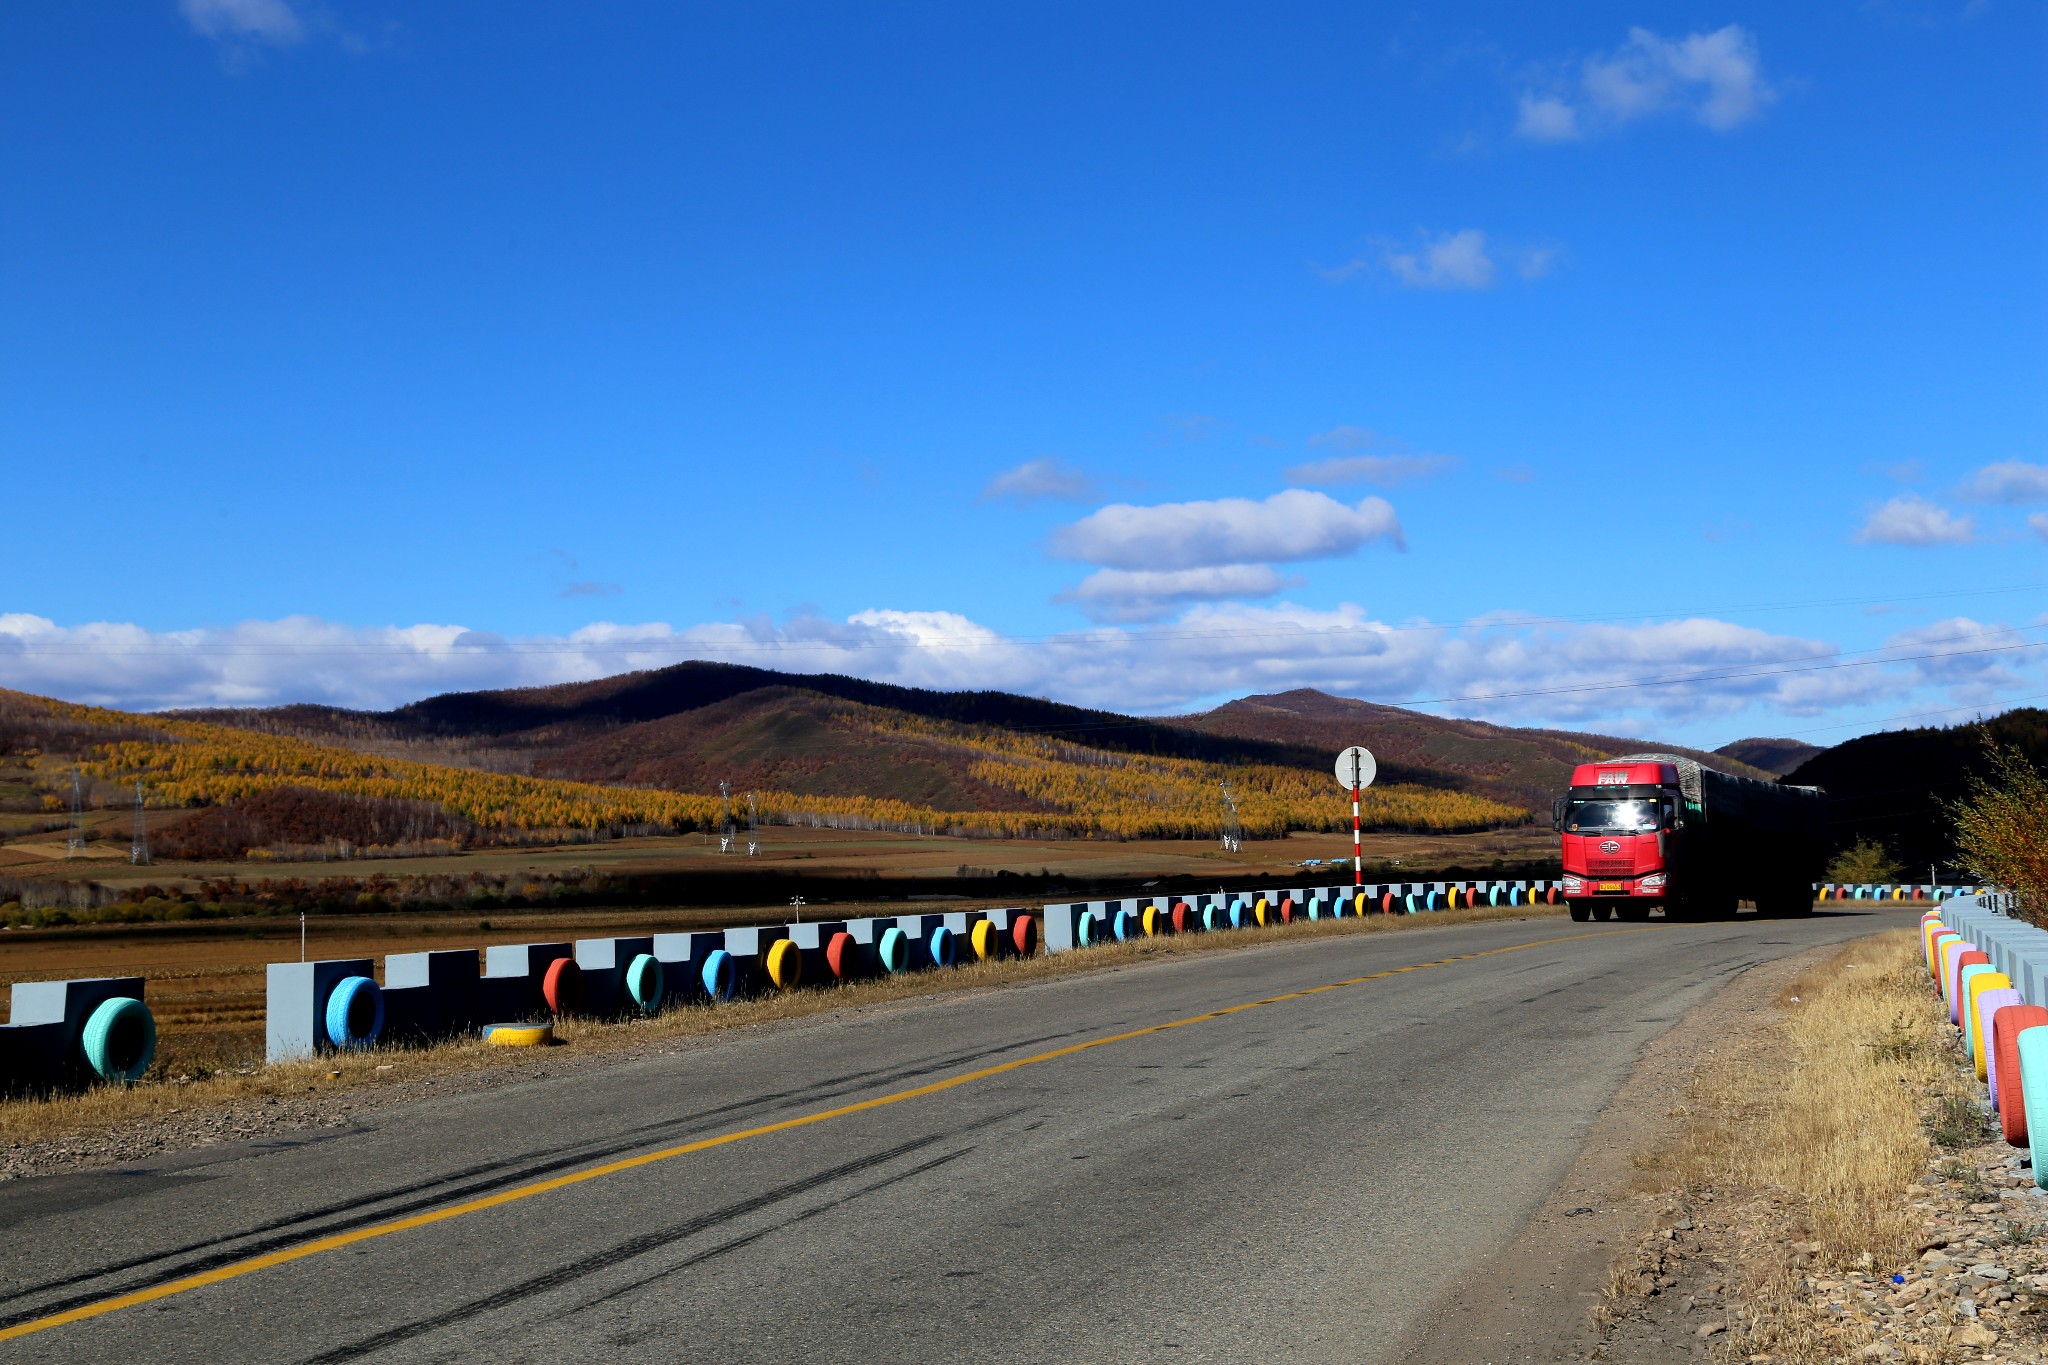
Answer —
1355 772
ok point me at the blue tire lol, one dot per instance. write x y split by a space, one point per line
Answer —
1238 911
120 1039
894 950
355 1013
644 983
720 977
1121 926
945 947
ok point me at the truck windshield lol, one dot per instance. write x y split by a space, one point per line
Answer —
1611 817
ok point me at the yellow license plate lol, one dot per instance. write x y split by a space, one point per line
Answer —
1611 886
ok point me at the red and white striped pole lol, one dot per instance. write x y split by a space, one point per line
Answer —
1357 850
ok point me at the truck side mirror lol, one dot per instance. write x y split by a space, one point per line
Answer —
1557 813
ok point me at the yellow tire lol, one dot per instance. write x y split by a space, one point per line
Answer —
983 939
785 964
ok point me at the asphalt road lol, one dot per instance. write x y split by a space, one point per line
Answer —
1303 1180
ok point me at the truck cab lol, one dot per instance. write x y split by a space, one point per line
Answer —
1618 821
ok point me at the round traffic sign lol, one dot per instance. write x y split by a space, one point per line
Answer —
1355 768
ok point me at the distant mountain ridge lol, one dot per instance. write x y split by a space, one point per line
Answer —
691 724
1774 756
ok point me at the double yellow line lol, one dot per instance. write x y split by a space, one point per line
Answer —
253 1264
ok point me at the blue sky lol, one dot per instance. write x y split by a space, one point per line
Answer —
1482 355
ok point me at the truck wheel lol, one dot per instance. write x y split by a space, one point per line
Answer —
1581 911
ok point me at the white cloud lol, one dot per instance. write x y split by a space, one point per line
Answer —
1382 471
1150 594
1546 118
1714 78
1040 479
1347 438
2009 481
1503 668
1286 527
264 21
1454 260
2038 524
1912 520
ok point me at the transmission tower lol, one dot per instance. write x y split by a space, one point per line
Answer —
75 846
726 831
138 852
753 826
1233 831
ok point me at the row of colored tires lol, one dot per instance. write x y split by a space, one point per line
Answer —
354 1017
1243 912
2005 1037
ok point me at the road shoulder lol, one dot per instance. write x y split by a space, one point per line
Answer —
1537 1300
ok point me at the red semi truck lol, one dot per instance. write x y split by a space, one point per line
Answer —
1650 830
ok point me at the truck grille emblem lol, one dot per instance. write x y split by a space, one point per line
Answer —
1610 846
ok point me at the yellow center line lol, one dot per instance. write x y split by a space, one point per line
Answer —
490 1201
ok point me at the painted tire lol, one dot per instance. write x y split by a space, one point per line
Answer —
1151 922
120 1038
1976 957
562 986
1552 896
2005 1034
1287 909
645 982
1024 935
894 946
1408 903
1239 912
985 939
1259 912
355 1013
1212 917
1988 1006
2032 1046
1973 1015
1121 927
1386 902
842 956
943 947
1315 907
519 1035
720 977
1183 917
785 965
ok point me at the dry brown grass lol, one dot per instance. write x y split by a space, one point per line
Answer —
1811 1134
61 1117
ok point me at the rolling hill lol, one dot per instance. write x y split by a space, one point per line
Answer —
691 725
1774 756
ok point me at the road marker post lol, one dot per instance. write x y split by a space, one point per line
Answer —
1356 769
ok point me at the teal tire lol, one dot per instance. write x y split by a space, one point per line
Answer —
120 1040
893 948
644 982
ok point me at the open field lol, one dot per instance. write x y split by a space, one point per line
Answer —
843 853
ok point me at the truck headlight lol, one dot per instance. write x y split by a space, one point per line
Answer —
1573 886
1653 882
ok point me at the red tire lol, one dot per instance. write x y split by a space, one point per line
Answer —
562 987
842 955
1024 935
1287 910
2005 1044
1386 903
1181 911
1550 896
